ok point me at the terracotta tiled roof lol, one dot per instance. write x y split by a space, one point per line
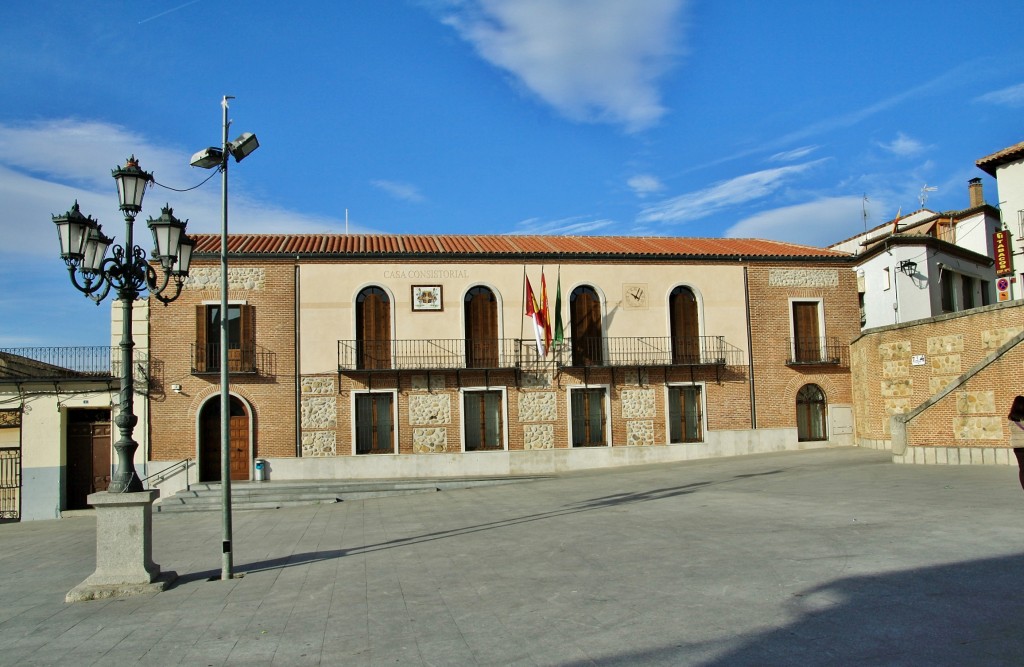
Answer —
436 246
990 163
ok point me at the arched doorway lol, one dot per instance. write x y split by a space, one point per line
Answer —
373 329
209 440
481 309
585 320
685 326
810 413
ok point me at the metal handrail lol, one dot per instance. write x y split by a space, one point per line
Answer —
63 362
170 471
503 353
816 351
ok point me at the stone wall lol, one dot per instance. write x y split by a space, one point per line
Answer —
935 371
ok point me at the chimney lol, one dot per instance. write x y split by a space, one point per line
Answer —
977 197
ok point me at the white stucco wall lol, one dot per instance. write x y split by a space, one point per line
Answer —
44 440
1010 185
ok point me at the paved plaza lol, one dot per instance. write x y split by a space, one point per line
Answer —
826 557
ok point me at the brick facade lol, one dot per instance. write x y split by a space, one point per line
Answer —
772 290
270 392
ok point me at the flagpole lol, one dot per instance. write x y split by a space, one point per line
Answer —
522 316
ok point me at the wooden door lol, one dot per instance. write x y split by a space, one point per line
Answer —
238 441
585 319
685 326
238 430
481 329
806 339
88 455
373 329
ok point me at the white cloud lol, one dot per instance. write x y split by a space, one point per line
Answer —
818 223
702 203
903 146
795 154
1013 96
576 225
398 190
645 184
46 166
596 61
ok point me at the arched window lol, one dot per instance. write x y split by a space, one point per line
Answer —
685 326
481 328
585 320
810 413
373 329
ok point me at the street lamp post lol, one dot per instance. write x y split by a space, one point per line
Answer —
209 158
124 564
84 247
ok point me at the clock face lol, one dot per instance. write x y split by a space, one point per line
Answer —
634 295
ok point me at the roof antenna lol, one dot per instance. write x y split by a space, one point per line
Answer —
864 211
925 189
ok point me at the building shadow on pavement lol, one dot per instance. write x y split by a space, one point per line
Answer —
969 613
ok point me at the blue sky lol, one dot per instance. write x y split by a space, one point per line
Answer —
647 117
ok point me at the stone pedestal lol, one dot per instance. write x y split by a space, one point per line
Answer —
124 548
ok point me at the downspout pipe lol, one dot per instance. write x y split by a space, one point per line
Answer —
298 368
750 353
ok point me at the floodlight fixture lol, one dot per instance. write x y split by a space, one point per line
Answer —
243 145
208 158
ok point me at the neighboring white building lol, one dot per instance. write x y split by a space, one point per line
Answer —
926 264
1007 166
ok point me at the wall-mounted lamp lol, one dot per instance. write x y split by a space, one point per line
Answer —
909 267
176 388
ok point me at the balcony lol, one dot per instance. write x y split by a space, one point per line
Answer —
509 353
251 359
817 352
66 363
435 354
649 351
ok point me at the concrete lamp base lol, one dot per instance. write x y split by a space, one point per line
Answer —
124 549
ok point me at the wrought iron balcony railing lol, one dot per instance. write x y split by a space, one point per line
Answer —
245 359
455 353
59 363
817 352
650 351
435 353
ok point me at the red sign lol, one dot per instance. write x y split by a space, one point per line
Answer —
1004 259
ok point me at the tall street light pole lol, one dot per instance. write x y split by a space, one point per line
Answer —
124 532
209 158
83 249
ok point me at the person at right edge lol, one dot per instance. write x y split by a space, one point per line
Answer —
1016 427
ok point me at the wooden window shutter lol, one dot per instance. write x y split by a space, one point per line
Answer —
482 329
200 353
685 326
247 316
807 339
373 325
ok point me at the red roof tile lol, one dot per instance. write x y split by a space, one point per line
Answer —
413 245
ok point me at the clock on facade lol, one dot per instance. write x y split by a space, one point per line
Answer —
634 295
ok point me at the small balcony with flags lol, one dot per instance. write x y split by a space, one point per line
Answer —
523 354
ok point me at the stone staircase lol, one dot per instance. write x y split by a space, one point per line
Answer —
206 496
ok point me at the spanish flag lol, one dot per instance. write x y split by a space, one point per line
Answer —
533 312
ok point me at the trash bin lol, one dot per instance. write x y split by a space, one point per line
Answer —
261 470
